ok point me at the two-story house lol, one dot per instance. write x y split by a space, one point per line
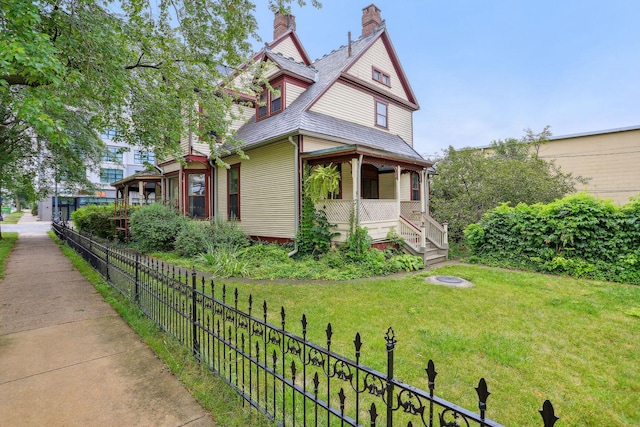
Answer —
353 108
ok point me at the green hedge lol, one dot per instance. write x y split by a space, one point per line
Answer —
155 227
95 219
578 235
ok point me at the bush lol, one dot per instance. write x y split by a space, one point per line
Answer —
227 234
404 262
578 235
265 254
224 261
156 226
193 238
95 219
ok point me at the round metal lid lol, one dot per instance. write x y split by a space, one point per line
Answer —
449 279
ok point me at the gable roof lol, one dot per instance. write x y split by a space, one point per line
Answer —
295 40
289 65
298 119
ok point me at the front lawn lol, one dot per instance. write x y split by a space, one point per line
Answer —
531 336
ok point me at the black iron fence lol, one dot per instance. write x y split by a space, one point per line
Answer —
288 378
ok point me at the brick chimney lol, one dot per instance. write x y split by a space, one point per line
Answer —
282 24
371 20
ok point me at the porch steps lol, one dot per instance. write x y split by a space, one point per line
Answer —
430 256
433 256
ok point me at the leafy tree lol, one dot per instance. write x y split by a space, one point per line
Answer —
69 68
470 181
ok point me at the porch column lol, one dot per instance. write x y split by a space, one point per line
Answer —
424 193
398 175
355 177
140 192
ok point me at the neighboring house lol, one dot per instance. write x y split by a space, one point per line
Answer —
353 108
609 158
120 161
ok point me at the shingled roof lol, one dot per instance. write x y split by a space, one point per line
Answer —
297 119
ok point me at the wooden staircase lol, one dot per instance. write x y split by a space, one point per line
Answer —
425 237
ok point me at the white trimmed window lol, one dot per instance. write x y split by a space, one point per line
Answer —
382 111
381 77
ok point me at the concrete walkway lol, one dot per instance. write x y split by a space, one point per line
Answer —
68 359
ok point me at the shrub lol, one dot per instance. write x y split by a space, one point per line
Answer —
265 254
95 219
358 244
193 238
578 235
156 226
404 262
224 261
227 234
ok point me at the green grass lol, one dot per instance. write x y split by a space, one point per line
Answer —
531 336
6 244
11 218
213 394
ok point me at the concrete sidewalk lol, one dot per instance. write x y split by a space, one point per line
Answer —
68 359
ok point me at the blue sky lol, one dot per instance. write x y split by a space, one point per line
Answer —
486 70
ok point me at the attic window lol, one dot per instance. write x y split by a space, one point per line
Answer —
276 99
262 104
381 77
269 102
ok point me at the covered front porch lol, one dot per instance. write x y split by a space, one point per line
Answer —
383 193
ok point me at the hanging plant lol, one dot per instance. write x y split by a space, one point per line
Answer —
323 182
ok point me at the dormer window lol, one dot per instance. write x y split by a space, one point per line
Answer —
269 102
276 99
381 77
262 104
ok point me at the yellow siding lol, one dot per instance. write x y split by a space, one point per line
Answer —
401 123
378 56
405 187
171 167
347 103
267 191
347 182
292 93
195 165
201 147
184 144
241 114
315 144
270 69
288 49
610 161
387 185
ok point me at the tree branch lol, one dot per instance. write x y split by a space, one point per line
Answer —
139 64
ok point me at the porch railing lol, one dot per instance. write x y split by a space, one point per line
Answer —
436 233
339 211
411 234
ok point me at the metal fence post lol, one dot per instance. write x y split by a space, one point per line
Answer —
194 314
391 343
106 256
137 283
